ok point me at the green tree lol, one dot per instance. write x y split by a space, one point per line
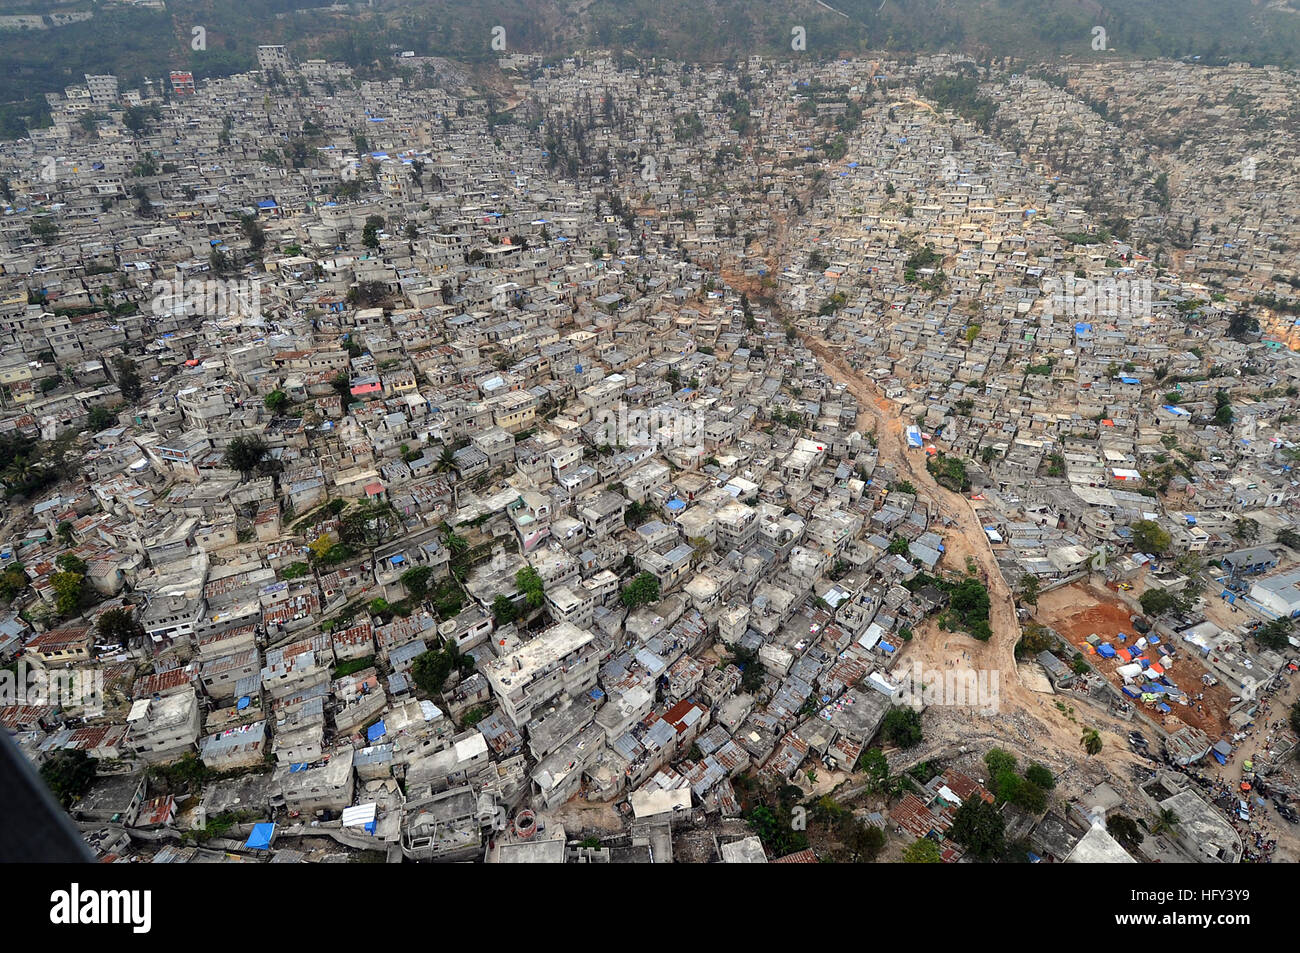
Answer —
369 523
1148 537
100 418
44 229
529 583
119 627
1041 776
503 610
1030 797
1125 830
1289 538
1029 589
998 760
1166 821
68 773
863 841
642 590
1007 786
245 454
979 827
902 727
342 385
922 851
370 234
752 673
254 232
276 401
1275 634
128 378
1156 602
68 592
457 545
1091 741
429 671
12 581
1223 413
416 581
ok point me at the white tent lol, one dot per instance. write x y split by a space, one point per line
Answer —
359 816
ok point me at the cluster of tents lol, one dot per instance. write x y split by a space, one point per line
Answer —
1145 678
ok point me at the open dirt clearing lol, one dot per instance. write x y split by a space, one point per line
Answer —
1078 611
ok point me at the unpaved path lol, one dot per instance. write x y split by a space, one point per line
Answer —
1026 722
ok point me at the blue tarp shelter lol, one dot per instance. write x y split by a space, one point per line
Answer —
261 837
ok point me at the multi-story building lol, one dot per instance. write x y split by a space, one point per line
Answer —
163 729
563 660
103 89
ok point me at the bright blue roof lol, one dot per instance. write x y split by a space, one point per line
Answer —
260 839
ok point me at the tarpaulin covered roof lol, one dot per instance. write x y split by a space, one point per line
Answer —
260 838
359 815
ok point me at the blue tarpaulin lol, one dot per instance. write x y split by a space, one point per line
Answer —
260 839
1219 758
375 731
1106 650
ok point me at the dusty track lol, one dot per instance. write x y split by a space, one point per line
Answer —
1026 722
965 536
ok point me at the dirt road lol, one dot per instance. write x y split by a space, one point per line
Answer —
1026 722
962 539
